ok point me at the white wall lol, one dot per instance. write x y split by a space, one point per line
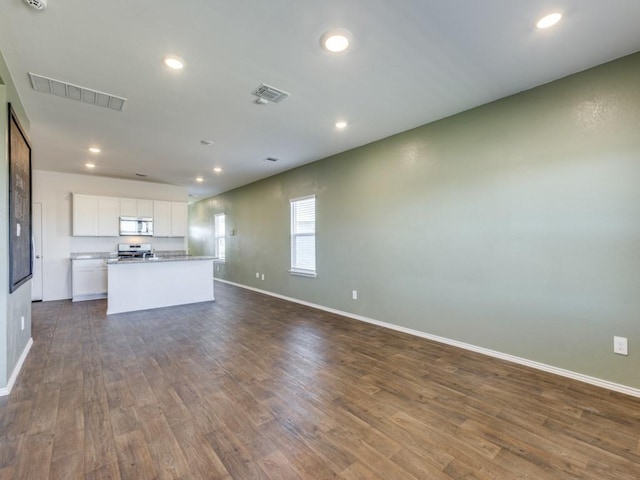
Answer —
53 190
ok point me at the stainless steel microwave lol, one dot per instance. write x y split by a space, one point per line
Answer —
136 226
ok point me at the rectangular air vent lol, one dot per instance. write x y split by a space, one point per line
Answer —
271 159
75 92
269 93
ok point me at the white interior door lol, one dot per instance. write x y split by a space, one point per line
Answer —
36 226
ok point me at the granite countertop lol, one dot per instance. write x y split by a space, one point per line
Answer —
93 255
157 259
114 255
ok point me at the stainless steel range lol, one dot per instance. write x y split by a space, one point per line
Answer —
134 250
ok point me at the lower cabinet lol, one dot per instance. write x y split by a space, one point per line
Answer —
88 279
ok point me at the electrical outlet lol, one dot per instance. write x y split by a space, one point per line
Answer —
22 322
263 276
354 294
257 274
620 345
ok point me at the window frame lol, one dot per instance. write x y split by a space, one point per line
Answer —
294 269
218 237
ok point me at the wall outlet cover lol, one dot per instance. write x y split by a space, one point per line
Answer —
620 345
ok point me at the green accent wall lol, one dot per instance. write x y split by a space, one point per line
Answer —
514 226
13 339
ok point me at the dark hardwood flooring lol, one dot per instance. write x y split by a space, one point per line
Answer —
252 387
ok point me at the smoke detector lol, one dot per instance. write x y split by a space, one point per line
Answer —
37 4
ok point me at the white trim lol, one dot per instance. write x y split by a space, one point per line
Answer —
217 236
598 382
303 273
306 197
14 376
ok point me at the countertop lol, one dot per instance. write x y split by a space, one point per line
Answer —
114 255
158 259
93 255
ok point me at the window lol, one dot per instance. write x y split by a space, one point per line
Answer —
219 233
303 236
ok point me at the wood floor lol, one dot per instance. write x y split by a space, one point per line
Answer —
252 387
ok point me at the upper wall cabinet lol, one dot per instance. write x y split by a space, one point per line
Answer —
169 219
95 216
179 220
108 217
136 207
85 215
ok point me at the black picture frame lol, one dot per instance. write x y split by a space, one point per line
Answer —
20 237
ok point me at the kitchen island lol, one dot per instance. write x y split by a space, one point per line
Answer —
154 282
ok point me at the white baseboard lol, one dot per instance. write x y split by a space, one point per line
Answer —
14 376
616 387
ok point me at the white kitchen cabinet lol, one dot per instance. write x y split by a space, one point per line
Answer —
169 219
161 218
136 207
108 216
95 216
179 219
145 208
98 216
85 215
88 279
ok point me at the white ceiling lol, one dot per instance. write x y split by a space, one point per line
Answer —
411 62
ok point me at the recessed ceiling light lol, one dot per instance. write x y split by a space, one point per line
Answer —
341 124
217 169
549 20
336 40
199 179
173 62
206 142
94 150
90 165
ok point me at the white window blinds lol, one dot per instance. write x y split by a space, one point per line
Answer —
219 229
303 235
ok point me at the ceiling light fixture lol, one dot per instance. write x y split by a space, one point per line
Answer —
336 41
199 179
549 20
90 165
217 169
37 4
341 124
94 150
173 62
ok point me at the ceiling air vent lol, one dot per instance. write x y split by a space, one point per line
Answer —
271 159
75 92
269 93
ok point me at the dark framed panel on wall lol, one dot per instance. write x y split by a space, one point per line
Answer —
20 246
